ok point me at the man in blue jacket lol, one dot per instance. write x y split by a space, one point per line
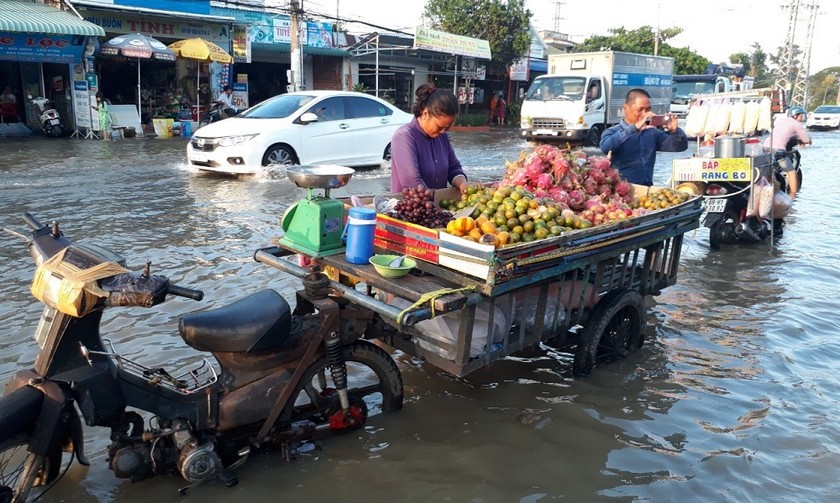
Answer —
634 141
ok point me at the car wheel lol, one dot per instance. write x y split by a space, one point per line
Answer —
386 158
281 155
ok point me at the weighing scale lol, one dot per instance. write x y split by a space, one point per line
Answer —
314 226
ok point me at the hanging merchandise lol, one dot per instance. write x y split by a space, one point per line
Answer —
751 117
695 123
736 117
765 115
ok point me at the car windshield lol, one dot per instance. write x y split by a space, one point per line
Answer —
827 110
278 107
556 88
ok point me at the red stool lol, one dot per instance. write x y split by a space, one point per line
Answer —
8 110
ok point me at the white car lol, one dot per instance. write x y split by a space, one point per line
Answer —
305 127
824 117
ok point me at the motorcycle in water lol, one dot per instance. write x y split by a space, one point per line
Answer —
48 117
283 378
727 206
213 115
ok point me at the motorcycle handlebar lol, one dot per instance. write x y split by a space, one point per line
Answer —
181 291
31 221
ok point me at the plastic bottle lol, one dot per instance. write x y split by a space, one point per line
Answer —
361 223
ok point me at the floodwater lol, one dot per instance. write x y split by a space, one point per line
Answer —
734 397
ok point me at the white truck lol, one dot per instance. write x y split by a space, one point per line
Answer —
583 94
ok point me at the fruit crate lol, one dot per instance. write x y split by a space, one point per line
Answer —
502 269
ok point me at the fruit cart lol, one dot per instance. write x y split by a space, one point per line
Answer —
467 304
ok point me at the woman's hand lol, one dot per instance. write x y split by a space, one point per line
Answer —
460 182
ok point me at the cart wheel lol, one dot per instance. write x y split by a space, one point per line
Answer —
615 328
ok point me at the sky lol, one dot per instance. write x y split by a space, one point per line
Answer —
713 28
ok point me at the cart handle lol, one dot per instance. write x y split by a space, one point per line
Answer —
271 256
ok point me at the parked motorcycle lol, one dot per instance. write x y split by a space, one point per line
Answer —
279 378
48 117
727 204
212 115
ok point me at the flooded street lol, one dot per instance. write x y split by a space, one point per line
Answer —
736 397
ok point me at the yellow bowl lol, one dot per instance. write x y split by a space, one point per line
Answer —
380 263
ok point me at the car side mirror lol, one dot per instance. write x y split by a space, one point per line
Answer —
308 117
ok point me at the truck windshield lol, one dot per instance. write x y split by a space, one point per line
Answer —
688 88
556 88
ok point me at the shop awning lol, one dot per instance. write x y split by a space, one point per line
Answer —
286 48
30 17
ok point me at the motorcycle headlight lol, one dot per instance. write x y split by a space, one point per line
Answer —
230 141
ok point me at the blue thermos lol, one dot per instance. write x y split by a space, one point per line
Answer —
361 223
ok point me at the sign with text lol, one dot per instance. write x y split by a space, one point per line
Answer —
127 22
41 47
81 104
704 169
519 69
441 41
240 95
241 45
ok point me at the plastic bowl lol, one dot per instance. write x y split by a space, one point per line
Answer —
380 263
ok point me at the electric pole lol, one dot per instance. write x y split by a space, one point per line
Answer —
792 75
296 73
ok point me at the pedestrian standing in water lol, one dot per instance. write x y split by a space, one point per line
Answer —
104 115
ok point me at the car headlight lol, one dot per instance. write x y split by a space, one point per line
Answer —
229 141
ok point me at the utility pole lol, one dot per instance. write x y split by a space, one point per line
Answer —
793 75
656 34
296 77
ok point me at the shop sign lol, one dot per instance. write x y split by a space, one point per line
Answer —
41 47
702 169
278 30
119 22
319 35
240 95
441 41
241 45
519 69
81 104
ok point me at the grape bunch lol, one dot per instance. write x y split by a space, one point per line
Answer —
418 207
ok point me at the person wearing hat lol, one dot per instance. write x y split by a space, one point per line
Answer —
788 133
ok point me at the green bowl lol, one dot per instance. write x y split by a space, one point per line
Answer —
380 263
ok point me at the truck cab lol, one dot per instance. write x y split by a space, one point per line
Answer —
563 107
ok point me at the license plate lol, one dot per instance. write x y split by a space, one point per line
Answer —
53 121
543 132
715 205
198 158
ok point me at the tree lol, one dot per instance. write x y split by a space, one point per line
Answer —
642 41
824 87
504 24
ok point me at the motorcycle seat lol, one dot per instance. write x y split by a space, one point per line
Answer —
259 322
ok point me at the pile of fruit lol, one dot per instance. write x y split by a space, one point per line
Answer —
659 199
418 207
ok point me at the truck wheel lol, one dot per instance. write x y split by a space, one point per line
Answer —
615 328
594 136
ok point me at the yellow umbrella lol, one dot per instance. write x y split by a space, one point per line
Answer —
200 50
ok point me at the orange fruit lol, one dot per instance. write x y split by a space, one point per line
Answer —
480 220
475 233
488 227
464 224
504 238
489 239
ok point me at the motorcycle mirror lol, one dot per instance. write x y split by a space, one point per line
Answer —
29 96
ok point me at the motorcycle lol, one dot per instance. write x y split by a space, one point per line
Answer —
280 378
727 204
212 115
48 117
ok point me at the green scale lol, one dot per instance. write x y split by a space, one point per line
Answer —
314 226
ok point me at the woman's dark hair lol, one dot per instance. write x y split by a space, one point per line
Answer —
437 101
100 95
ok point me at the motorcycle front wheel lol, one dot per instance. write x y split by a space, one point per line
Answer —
22 471
372 377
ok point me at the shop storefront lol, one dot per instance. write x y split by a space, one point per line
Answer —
42 49
167 89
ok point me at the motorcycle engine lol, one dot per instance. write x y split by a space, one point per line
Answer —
132 461
196 462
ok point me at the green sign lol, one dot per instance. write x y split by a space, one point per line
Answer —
440 41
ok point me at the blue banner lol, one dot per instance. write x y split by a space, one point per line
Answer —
641 79
41 47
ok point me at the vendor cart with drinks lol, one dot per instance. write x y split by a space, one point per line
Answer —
465 304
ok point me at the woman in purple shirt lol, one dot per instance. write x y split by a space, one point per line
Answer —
420 150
